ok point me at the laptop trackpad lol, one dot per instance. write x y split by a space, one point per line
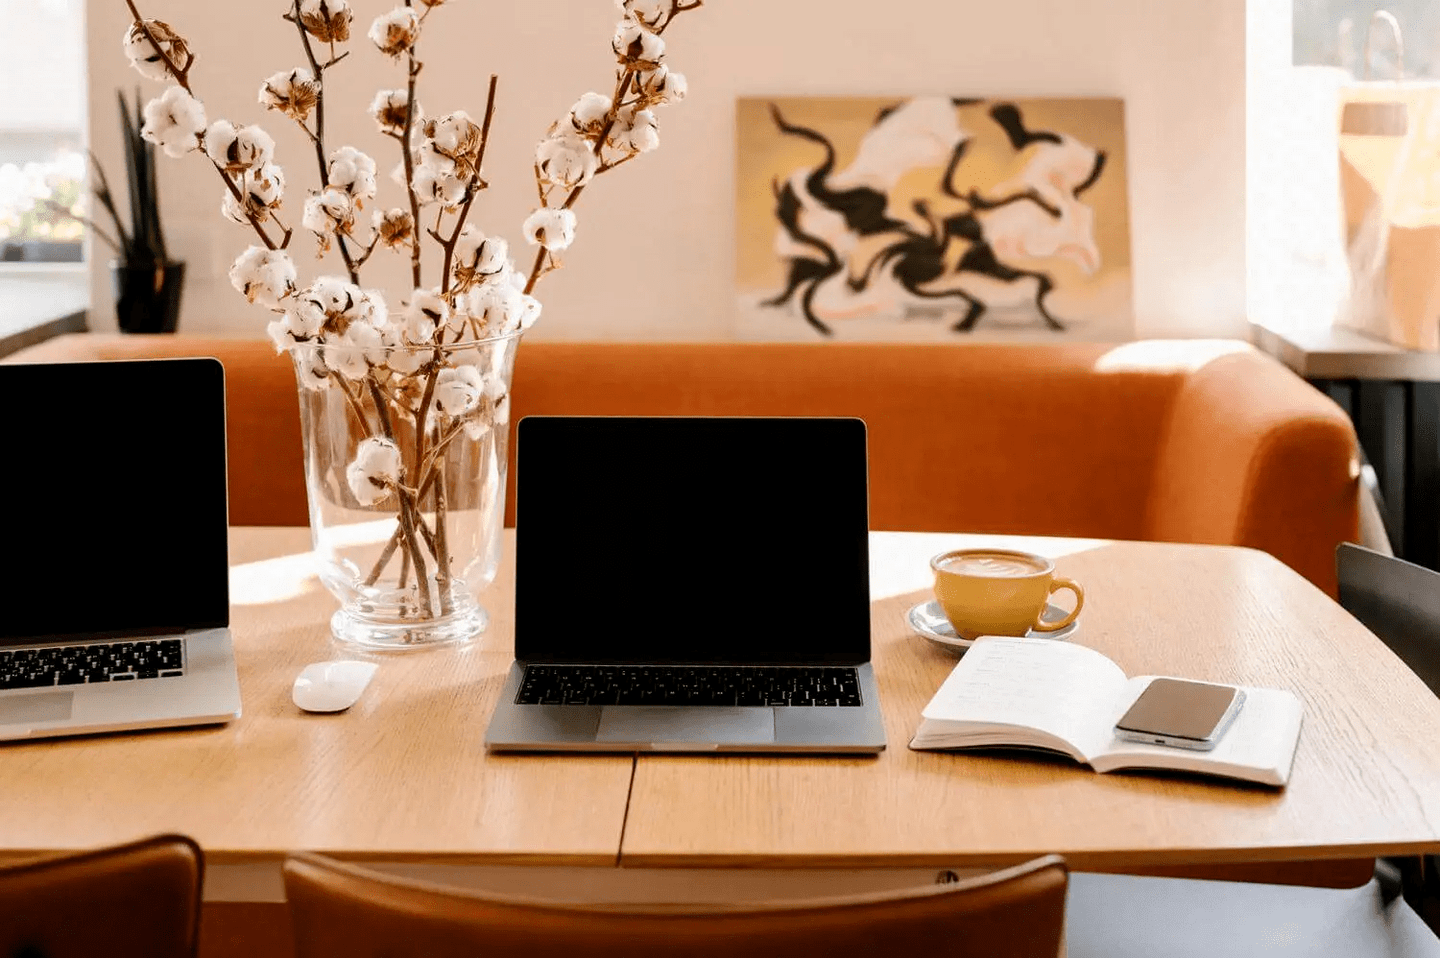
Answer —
44 707
686 724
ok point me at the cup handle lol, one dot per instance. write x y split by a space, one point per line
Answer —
1060 582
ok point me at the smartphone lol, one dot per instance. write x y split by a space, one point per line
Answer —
1181 713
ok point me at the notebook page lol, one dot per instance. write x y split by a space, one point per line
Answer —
1067 691
1259 745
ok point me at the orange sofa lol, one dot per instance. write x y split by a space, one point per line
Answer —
1174 440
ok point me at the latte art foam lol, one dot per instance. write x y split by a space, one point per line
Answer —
997 565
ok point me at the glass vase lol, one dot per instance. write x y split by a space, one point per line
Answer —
405 461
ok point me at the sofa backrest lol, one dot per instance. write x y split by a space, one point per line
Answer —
978 438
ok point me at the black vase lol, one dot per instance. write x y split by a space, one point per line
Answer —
147 296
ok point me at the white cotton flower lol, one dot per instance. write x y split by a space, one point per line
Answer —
529 311
588 114
263 276
636 45
236 150
233 210
458 390
369 308
648 12
566 160
478 256
280 334
551 228
451 144
395 32
635 131
265 186
333 295
305 315
310 368
388 109
434 187
395 227
174 121
375 470
494 306
353 172
426 312
356 351
291 92
329 211
401 357
142 54
663 85
326 20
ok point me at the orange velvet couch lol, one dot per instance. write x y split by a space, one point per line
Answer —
1174 440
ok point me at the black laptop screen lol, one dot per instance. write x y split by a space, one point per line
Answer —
691 540
113 480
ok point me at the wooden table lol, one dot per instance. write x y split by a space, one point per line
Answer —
403 777
1366 779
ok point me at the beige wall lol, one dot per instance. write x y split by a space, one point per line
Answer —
654 255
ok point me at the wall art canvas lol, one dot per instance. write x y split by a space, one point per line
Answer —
932 218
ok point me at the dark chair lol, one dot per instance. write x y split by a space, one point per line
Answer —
341 910
140 900
1400 602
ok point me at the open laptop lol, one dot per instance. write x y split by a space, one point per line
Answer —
117 598
691 585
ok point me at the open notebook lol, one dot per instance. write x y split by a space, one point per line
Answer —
1040 693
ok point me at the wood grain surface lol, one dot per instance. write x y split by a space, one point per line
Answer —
403 775
1366 779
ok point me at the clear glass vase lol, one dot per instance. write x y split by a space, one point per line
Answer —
405 461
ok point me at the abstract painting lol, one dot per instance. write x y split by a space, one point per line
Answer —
932 218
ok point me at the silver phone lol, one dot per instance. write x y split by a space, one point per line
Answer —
1181 714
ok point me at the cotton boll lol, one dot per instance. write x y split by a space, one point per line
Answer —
328 212
529 311
326 20
174 121
353 353
141 52
310 368
648 12
236 150
636 45
589 112
495 307
551 228
389 108
263 276
426 312
265 186
458 390
374 471
233 210
635 131
306 316
279 332
566 160
395 33
353 172
433 187
396 227
291 92
333 294
662 85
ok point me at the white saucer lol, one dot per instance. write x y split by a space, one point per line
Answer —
928 619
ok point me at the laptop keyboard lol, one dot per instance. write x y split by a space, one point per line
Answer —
822 686
87 664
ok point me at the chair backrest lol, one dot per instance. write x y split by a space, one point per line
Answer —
1398 601
340 910
140 900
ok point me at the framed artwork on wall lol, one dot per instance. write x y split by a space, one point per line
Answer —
932 218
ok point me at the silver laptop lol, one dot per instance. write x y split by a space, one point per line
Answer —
117 601
690 585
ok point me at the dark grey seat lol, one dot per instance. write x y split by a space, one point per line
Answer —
1400 602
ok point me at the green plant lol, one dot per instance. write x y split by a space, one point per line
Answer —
143 244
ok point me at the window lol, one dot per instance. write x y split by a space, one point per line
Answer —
42 101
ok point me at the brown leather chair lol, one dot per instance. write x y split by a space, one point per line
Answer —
140 900
341 910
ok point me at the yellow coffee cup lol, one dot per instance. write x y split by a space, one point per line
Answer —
999 591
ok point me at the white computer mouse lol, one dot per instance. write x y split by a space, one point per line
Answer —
331 686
